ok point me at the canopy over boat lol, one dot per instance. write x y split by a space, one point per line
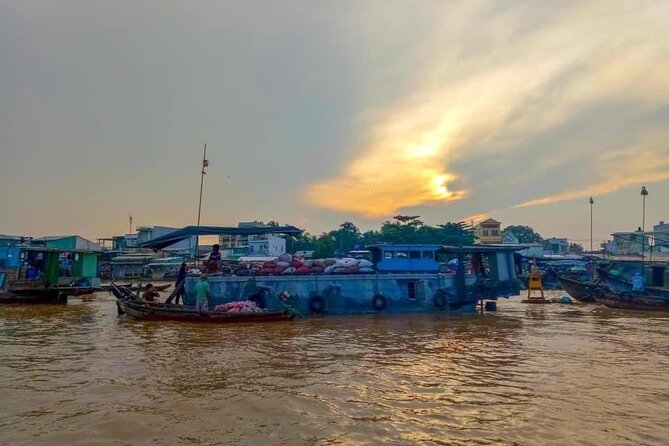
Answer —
190 231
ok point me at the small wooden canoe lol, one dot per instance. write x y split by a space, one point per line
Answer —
629 300
166 312
127 304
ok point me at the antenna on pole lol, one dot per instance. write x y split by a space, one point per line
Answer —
205 163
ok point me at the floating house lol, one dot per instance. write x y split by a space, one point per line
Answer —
37 274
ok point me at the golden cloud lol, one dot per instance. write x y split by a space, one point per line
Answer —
467 109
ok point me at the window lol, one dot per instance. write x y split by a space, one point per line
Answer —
401 255
495 232
414 254
428 255
388 255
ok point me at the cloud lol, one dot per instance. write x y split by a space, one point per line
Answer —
498 79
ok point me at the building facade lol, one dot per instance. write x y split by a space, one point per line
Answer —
661 237
488 231
628 243
556 245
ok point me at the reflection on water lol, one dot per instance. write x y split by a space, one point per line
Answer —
529 374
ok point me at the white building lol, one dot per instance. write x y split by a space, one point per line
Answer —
661 237
268 245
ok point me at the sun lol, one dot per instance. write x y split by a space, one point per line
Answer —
439 188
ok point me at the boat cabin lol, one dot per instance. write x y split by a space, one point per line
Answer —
405 257
47 267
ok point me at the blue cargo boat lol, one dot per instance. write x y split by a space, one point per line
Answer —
406 278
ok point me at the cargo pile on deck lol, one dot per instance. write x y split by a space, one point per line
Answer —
289 265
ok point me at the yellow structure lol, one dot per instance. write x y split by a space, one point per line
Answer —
535 284
488 231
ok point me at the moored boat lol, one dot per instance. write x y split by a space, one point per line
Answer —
629 300
401 278
40 275
621 285
581 291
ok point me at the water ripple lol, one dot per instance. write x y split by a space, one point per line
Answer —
78 374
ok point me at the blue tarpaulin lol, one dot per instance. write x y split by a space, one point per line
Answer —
190 231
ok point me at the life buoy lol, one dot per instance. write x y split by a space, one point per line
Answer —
597 293
379 302
626 296
317 304
439 300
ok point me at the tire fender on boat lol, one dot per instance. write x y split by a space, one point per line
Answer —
379 302
316 304
440 299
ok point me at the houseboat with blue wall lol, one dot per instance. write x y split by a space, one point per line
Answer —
404 278
38 274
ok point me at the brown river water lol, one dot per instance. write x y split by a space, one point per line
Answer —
525 375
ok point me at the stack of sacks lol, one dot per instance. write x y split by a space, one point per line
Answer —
242 306
287 264
248 269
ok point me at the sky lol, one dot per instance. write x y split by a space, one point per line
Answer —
316 113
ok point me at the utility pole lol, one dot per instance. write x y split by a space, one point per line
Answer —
205 163
130 218
644 194
591 203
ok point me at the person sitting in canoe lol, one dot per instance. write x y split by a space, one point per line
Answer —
150 295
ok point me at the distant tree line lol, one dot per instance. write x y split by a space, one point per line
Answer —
401 229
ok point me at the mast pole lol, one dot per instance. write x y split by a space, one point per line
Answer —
199 207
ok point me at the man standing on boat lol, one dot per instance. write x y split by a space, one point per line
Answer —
180 283
203 290
214 263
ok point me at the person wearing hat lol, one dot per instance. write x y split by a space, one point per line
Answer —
202 292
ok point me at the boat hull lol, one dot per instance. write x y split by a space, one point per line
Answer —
581 291
354 293
162 312
621 285
634 301
33 296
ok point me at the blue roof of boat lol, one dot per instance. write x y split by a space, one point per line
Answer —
454 249
190 231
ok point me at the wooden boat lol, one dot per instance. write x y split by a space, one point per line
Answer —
34 296
620 285
581 291
80 291
35 292
139 287
128 304
634 301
